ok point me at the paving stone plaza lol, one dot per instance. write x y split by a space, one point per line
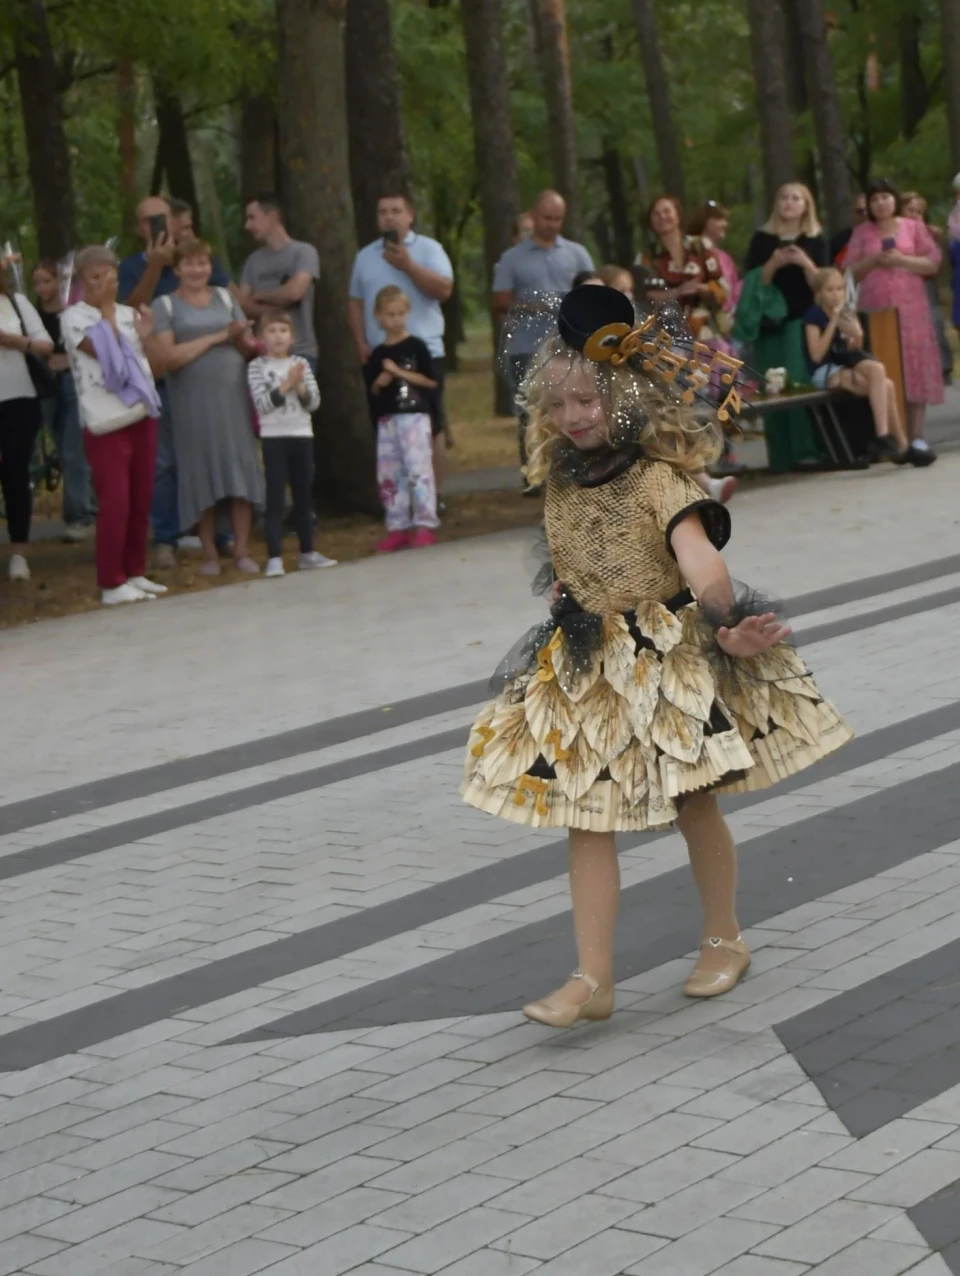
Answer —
263 969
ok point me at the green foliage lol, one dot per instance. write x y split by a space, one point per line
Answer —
209 53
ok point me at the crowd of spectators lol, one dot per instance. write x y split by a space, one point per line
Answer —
156 374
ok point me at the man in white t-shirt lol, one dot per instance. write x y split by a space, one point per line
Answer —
419 266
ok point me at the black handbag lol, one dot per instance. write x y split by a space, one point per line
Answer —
44 381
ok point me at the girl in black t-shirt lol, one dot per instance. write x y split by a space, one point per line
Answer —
399 375
834 340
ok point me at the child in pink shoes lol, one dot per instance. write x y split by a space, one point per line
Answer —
398 373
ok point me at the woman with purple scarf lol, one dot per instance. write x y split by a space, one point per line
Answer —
118 408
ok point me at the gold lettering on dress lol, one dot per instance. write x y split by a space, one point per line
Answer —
537 790
486 734
545 658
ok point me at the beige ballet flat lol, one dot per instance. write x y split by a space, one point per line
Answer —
564 1014
712 983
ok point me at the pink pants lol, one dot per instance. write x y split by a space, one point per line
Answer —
122 466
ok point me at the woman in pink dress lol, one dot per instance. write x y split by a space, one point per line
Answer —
890 257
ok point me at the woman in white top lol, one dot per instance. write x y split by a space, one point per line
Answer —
21 333
119 406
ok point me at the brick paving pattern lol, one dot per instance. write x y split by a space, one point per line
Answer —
262 967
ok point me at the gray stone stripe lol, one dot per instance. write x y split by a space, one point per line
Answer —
937 1219
659 919
669 898
125 832
880 1050
883 1049
31 812
882 616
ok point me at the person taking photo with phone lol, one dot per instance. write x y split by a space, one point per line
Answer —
141 279
402 257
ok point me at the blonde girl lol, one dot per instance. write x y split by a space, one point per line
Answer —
838 361
651 688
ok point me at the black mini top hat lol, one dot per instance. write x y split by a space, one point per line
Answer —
590 307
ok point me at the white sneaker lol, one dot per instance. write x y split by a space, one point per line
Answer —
147 586
274 567
313 559
189 542
18 568
74 533
125 593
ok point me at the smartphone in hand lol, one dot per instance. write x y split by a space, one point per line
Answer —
158 227
391 237
889 244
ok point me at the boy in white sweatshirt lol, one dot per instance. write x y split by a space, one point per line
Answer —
284 392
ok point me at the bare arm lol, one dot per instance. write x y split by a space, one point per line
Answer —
862 268
819 343
357 327
294 290
163 350
704 570
926 267
416 378
701 565
252 309
502 301
439 287
142 295
26 345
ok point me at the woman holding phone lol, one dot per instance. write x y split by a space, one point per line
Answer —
891 257
782 263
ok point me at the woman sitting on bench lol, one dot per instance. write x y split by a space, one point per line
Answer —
838 362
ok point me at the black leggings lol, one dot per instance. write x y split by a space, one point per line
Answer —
19 425
288 461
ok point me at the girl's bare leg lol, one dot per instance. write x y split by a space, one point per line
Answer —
713 859
595 894
869 380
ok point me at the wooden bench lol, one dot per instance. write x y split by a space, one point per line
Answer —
843 422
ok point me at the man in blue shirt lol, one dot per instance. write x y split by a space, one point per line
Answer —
141 278
542 263
421 268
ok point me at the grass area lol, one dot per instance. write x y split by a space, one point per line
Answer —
480 439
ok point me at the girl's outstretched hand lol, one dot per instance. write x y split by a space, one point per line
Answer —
753 635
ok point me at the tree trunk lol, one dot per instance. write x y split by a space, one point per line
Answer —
621 223
493 149
313 150
825 106
770 84
914 93
378 156
47 154
258 147
173 160
551 17
658 91
127 138
950 17
785 15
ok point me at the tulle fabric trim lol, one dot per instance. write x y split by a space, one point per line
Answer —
616 742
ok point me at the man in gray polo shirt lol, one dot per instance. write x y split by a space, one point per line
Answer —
543 263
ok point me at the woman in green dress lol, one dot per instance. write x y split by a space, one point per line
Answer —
783 258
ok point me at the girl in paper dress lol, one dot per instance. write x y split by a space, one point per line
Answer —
655 684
